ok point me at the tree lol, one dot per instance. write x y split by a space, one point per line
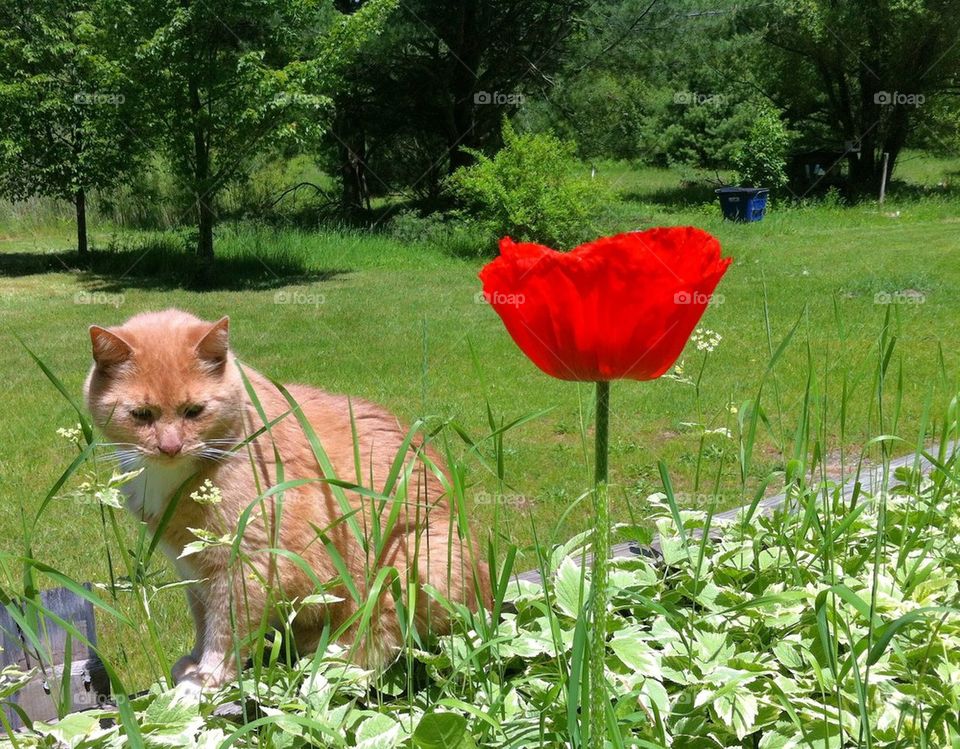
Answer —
437 84
660 82
67 125
860 72
226 80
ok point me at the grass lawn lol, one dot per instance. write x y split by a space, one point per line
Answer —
401 324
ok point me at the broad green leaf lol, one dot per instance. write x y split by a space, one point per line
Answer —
738 710
73 730
442 731
635 653
571 588
379 732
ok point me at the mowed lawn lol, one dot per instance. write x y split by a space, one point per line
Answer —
402 324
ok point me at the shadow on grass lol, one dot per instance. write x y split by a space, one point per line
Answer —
949 188
681 196
166 267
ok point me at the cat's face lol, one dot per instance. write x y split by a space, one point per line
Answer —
164 387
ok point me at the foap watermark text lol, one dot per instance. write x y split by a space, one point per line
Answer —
307 298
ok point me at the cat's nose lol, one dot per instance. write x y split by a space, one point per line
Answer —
170 444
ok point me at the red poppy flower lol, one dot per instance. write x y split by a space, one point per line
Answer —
617 307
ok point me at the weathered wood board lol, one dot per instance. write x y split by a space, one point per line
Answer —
39 700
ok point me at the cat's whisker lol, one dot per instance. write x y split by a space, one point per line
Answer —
226 448
110 459
113 458
214 454
128 460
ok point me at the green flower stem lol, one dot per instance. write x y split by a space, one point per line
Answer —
602 436
598 578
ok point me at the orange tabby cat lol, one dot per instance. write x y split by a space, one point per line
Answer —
166 388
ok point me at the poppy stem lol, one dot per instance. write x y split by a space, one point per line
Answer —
598 577
602 433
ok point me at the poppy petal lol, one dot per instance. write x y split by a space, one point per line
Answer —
618 307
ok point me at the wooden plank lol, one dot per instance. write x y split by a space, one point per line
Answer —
89 684
13 653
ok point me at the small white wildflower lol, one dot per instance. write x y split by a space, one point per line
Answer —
733 409
722 431
705 339
71 434
207 494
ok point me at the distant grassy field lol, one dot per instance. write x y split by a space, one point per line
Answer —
401 324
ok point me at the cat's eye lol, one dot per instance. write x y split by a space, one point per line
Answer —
192 412
143 415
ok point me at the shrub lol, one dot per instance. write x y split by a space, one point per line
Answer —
602 110
530 190
762 160
687 126
412 227
452 232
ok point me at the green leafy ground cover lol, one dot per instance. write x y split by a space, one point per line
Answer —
833 622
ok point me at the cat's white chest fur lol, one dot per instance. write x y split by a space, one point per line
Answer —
148 494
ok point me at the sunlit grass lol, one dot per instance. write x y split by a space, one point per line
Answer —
834 620
400 324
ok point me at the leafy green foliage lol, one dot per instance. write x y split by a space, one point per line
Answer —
229 81
68 116
441 77
529 190
762 159
695 128
832 620
857 74
666 84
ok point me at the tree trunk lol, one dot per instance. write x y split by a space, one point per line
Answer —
467 47
203 188
80 201
863 166
348 129
896 137
352 146
205 221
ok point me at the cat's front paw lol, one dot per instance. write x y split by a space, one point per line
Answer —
209 673
200 675
214 677
185 670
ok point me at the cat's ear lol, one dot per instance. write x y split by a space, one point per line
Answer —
109 349
212 348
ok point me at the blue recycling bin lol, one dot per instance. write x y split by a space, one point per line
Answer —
743 203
